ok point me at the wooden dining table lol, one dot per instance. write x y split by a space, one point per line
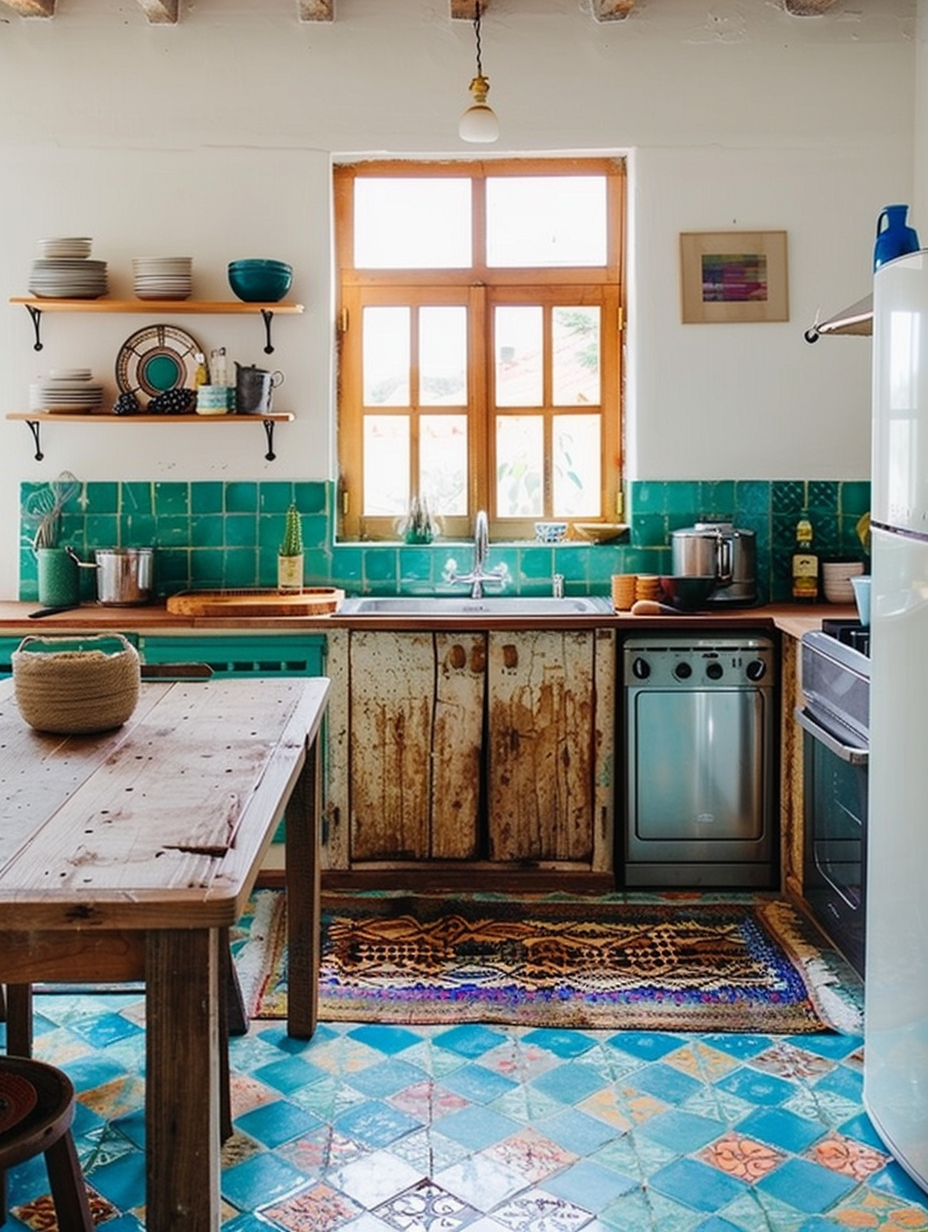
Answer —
128 855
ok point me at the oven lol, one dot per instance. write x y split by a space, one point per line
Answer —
835 721
700 731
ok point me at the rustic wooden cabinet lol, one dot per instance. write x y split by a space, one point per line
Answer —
492 747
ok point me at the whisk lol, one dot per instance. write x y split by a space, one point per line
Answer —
45 505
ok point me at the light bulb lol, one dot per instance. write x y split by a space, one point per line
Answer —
479 122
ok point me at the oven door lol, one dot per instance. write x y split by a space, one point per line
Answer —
835 841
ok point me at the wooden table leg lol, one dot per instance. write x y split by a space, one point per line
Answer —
303 888
19 1020
182 990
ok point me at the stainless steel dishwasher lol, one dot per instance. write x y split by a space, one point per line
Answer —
700 730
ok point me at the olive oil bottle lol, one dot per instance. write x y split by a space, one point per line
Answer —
804 565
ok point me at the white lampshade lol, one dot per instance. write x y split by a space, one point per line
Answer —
479 123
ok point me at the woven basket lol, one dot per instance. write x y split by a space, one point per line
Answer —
76 685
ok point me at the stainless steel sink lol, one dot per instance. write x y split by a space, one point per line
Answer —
463 606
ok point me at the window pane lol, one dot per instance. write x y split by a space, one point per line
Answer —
519 466
546 220
412 224
575 356
519 356
386 356
443 356
443 463
386 465
577 455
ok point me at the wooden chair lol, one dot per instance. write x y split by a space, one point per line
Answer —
36 1112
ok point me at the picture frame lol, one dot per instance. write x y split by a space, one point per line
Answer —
733 276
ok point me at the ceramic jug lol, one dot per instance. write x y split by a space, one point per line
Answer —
253 388
893 237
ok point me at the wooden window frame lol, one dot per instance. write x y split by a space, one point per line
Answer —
479 287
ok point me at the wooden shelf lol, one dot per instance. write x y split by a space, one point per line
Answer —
35 418
150 306
109 418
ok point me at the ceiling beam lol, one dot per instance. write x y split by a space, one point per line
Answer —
466 10
807 8
316 10
612 10
160 12
32 8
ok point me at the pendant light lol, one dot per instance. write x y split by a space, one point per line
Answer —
479 122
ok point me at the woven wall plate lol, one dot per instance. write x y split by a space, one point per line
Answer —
156 359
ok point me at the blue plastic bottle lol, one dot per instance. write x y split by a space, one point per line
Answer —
893 237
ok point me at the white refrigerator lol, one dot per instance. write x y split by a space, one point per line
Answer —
896 993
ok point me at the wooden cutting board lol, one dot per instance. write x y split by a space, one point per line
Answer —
313 601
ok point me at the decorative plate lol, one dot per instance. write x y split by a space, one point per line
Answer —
17 1099
155 359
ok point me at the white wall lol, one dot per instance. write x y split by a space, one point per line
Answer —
213 138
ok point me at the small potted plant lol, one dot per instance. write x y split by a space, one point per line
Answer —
290 556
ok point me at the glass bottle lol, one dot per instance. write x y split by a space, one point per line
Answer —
804 568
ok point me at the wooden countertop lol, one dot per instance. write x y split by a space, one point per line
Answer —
792 619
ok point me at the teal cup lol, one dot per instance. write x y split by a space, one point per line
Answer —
59 577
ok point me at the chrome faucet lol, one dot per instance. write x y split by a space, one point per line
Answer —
479 573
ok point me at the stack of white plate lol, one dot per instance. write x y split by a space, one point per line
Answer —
162 277
76 246
836 579
68 278
67 390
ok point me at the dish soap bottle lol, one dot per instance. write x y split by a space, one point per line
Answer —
290 556
804 563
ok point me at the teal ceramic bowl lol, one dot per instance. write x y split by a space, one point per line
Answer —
260 281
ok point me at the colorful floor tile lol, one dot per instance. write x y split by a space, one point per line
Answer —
492 1129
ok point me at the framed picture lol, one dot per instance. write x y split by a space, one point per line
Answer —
728 276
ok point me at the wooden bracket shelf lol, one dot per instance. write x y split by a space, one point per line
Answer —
37 305
34 419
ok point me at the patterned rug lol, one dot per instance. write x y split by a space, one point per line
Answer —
680 963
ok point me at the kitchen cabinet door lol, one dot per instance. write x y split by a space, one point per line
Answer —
416 713
541 746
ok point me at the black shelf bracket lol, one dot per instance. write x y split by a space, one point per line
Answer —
269 433
36 314
268 315
35 428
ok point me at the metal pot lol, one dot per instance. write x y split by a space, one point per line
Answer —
124 576
719 550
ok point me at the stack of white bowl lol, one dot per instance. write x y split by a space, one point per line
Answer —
836 579
162 277
64 270
66 390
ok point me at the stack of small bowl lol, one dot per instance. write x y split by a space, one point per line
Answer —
260 280
836 579
162 277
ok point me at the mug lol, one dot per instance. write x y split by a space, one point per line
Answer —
254 387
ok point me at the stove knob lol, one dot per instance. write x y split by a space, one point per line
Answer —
683 671
641 669
714 671
756 669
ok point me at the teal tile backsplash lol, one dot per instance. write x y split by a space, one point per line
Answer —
211 534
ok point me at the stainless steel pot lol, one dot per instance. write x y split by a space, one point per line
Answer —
124 576
721 550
